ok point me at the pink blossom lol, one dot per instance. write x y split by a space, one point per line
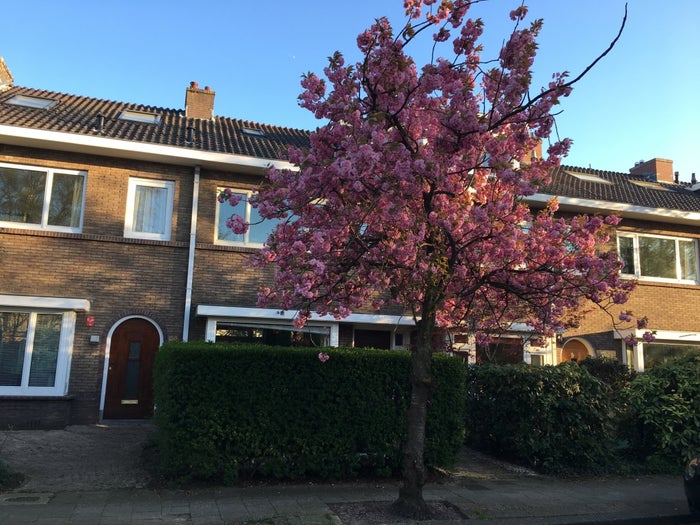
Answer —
323 357
237 224
625 316
407 198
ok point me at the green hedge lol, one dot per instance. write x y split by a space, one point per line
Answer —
225 411
555 419
664 414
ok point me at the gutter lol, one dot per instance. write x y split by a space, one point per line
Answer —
190 257
629 211
128 149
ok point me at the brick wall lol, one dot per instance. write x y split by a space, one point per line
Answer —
119 276
674 307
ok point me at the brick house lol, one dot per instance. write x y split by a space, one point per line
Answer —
112 242
658 242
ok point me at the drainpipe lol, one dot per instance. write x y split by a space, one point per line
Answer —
190 258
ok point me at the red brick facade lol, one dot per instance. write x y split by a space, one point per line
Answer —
669 307
100 280
121 277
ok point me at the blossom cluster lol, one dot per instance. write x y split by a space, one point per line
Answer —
414 190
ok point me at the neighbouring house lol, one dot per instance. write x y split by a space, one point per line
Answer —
112 242
658 242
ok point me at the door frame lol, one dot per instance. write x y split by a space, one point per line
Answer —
105 367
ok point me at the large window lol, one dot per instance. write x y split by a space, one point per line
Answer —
662 352
258 230
501 350
35 352
272 334
149 209
41 198
658 258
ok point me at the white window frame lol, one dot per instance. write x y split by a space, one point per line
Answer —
48 188
29 101
65 351
637 260
129 231
140 116
245 242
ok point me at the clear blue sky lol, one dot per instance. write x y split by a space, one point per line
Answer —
642 101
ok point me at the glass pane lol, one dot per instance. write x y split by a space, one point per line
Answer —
132 371
223 232
66 200
626 252
13 339
657 257
21 195
260 229
47 335
658 353
689 260
149 209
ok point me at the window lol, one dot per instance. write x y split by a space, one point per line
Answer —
588 177
35 352
149 209
272 334
253 132
500 350
31 102
658 258
258 231
659 353
41 198
140 116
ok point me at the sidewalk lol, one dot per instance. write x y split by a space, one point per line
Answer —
107 490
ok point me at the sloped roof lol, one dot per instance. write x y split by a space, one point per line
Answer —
609 186
75 114
78 115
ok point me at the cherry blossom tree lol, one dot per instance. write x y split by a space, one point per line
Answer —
413 193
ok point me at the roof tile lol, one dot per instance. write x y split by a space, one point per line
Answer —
77 114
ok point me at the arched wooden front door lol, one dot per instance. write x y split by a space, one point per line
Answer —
574 350
129 391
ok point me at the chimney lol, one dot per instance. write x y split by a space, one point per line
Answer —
660 170
5 75
199 103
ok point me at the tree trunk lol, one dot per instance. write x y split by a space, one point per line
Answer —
410 502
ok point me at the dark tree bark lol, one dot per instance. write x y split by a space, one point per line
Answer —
410 502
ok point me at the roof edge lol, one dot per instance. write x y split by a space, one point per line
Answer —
60 141
629 211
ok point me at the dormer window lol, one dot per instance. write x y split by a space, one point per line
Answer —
140 116
31 102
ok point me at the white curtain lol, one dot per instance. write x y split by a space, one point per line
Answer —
149 209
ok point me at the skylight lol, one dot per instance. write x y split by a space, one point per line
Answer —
31 102
649 184
253 132
140 116
588 177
